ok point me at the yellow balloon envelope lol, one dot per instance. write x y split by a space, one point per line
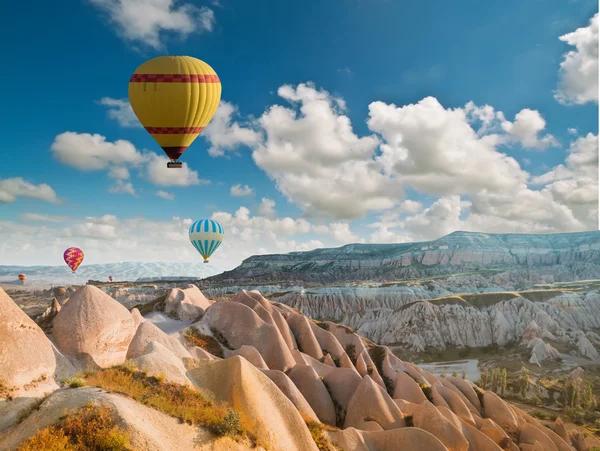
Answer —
174 97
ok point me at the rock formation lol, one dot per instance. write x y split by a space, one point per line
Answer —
93 325
291 382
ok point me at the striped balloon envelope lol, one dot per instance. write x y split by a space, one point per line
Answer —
206 235
174 97
73 258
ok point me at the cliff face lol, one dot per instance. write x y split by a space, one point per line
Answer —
575 255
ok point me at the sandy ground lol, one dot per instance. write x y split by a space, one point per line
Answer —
166 324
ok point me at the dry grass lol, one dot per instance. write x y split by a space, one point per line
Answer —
89 428
206 342
32 408
176 400
317 432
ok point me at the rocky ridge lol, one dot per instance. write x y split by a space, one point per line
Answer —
276 367
577 255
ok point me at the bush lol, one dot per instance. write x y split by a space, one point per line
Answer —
74 382
351 351
464 352
182 402
29 410
89 428
317 433
206 342
220 338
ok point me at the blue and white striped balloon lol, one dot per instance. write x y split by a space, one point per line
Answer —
206 235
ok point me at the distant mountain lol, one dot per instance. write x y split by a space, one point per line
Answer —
122 271
567 255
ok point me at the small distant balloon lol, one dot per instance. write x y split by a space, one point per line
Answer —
22 277
73 258
206 236
110 278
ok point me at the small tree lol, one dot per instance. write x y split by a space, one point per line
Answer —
463 374
571 393
444 375
523 382
494 380
483 379
454 374
589 399
503 381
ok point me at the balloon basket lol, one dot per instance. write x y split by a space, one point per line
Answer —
174 164
205 261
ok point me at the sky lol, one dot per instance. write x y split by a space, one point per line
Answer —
340 122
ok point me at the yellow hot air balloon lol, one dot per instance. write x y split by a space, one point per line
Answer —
174 97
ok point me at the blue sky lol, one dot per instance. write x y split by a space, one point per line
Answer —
381 147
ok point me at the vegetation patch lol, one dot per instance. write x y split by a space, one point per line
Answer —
340 413
480 393
220 338
206 342
30 409
179 401
90 428
377 354
323 325
317 432
74 382
351 351
157 304
426 388
408 420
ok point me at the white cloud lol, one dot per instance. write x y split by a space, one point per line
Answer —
165 195
120 110
93 152
122 187
241 191
42 217
441 218
15 187
158 173
267 208
436 151
578 74
341 233
224 134
318 162
526 128
144 21
87 152
411 206
572 131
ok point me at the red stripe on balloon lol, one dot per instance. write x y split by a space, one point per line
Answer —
174 78
174 130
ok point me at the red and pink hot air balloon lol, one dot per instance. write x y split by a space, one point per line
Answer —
73 258
110 278
22 277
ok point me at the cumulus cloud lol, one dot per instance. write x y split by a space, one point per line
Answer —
436 151
122 187
225 134
165 195
526 128
120 110
578 73
267 208
15 187
316 159
158 173
241 191
145 21
88 152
